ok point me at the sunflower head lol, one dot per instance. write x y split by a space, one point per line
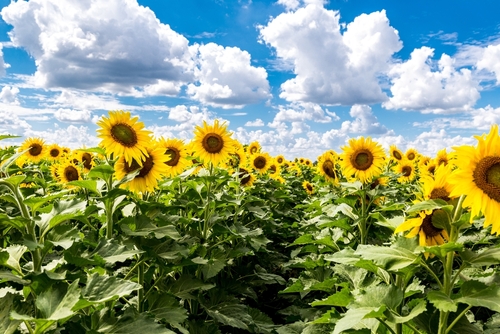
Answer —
37 150
54 152
253 148
308 187
327 166
260 162
68 171
395 153
411 154
124 136
362 158
212 143
246 177
176 153
441 157
280 159
407 171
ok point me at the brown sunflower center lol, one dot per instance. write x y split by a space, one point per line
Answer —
442 161
244 176
411 156
375 183
213 143
124 134
147 165
396 155
35 149
431 169
440 193
406 171
87 160
362 159
280 160
328 168
309 187
253 150
429 229
273 169
174 156
71 173
54 153
259 162
486 176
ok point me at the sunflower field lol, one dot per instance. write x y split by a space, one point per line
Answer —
157 235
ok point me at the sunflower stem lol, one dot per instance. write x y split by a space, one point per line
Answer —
362 221
109 219
207 204
140 280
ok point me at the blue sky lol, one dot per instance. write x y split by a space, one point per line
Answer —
299 76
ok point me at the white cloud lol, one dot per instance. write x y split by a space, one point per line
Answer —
111 45
71 136
332 68
429 143
8 95
257 122
11 124
476 119
226 77
417 85
73 116
364 122
490 60
304 111
289 4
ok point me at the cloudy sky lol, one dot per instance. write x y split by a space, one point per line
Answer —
299 76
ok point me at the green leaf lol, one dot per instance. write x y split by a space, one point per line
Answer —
90 185
63 236
7 276
230 314
431 204
2 137
442 302
342 298
98 150
10 256
212 268
490 256
17 222
112 251
261 323
376 295
479 294
36 202
57 302
184 285
442 250
142 226
61 212
132 322
353 318
418 309
7 325
167 308
103 172
104 288
16 180
6 163
389 258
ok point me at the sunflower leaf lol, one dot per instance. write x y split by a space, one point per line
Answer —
432 204
389 258
90 185
61 211
442 302
488 257
475 293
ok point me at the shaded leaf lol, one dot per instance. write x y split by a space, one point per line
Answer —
103 288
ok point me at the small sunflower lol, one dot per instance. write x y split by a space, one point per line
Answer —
396 153
308 187
68 171
442 157
153 169
274 168
246 178
260 162
362 158
124 136
437 187
411 154
85 159
407 170
212 143
478 177
280 159
238 158
37 150
423 226
379 181
253 148
177 154
326 166
54 152
54 171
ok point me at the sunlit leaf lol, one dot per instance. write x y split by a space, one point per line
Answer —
102 288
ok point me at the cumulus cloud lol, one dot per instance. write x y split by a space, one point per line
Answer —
10 123
331 68
418 85
113 45
71 136
490 60
8 95
226 77
73 116
257 122
304 111
364 122
476 119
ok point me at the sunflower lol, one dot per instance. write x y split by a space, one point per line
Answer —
478 176
274 168
237 158
260 162
68 171
423 160
411 154
280 159
326 166
423 226
442 157
54 171
437 186
253 148
85 159
379 181
246 178
177 154
124 136
395 153
308 187
362 158
54 152
407 170
153 169
212 143
37 150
